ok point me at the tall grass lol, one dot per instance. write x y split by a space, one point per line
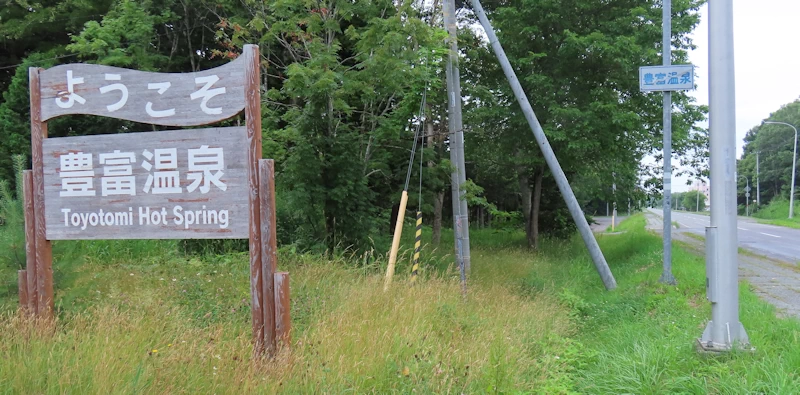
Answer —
349 335
152 321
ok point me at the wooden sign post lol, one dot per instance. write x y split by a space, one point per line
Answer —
184 184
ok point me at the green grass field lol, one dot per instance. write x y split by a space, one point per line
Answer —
138 317
777 213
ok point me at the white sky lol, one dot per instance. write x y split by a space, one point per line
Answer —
766 40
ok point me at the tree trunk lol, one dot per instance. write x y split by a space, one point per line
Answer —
438 197
438 203
537 200
525 195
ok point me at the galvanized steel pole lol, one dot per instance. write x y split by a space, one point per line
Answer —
722 266
666 275
794 174
547 151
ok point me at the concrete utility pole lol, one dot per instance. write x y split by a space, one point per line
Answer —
794 165
614 192
666 275
722 265
758 184
697 197
456 136
547 151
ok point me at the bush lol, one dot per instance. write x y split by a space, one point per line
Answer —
12 220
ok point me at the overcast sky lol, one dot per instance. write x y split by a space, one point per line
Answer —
766 37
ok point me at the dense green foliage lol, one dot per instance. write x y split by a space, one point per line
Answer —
574 60
342 89
690 201
774 145
12 220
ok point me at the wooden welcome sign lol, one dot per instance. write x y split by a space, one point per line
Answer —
184 184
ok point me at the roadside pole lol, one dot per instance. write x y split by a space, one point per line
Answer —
666 275
697 198
758 184
614 193
456 137
667 78
722 266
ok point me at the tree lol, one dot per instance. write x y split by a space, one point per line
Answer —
575 61
42 27
146 35
693 201
342 89
344 82
772 145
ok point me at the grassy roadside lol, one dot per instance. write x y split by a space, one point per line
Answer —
706 213
165 323
640 338
789 223
140 318
777 213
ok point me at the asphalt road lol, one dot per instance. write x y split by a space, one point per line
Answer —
602 223
772 241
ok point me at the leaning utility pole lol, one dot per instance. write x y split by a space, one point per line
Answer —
456 136
722 265
547 151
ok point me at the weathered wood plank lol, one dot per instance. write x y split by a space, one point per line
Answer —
30 240
22 284
283 319
44 252
269 253
183 184
253 123
174 99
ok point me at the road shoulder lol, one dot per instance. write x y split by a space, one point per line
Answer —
775 281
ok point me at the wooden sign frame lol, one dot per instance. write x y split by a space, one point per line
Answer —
241 79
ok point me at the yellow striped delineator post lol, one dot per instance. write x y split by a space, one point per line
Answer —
417 248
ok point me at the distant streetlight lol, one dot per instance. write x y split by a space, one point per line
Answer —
794 164
746 196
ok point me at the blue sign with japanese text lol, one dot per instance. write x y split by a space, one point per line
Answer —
666 78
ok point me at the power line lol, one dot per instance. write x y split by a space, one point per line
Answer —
40 60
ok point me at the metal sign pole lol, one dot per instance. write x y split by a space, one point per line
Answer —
722 264
666 276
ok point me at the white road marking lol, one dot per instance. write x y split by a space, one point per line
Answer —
741 228
767 234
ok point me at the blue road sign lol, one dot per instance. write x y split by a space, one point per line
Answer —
666 78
